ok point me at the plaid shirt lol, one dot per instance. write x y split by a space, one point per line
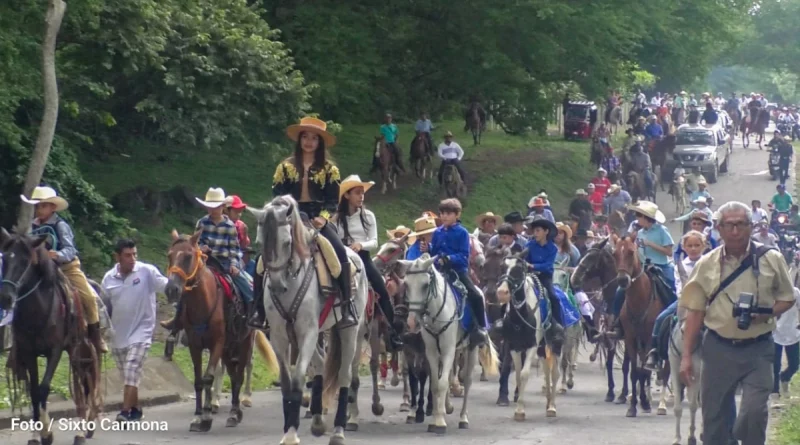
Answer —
222 239
610 163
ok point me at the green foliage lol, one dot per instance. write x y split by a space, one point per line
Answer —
778 86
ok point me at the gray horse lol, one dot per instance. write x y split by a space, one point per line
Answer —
294 303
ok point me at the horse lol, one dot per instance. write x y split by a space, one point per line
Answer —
736 119
659 152
524 330
572 335
613 118
598 265
678 191
298 311
267 354
431 300
48 320
388 164
421 157
595 152
213 319
474 124
454 185
638 316
692 393
489 276
755 124
638 188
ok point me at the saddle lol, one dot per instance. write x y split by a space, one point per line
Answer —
224 280
662 289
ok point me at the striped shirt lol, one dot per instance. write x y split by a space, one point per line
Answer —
222 239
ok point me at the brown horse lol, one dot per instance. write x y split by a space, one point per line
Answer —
638 188
755 124
211 321
421 155
658 156
474 124
638 316
387 162
48 320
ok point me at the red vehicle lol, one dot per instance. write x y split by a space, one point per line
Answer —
579 120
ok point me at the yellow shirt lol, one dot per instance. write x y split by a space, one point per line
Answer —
773 285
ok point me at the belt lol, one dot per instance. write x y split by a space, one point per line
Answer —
740 342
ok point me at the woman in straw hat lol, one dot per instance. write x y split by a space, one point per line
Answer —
358 230
219 239
487 226
423 233
61 245
567 252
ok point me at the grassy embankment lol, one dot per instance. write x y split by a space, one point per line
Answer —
504 172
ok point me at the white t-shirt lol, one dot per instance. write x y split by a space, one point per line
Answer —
133 303
367 238
769 240
452 151
759 215
786 332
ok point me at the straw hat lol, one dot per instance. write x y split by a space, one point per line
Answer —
536 202
702 181
312 125
699 200
352 182
399 232
702 216
581 192
649 209
560 226
614 188
488 215
46 194
215 197
424 226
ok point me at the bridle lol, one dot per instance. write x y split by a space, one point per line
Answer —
515 285
17 285
393 256
199 262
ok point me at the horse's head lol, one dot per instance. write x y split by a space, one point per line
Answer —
281 232
492 269
422 283
626 256
185 262
477 258
389 253
597 263
515 271
24 264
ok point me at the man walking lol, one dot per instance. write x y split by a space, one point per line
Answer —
131 286
737 349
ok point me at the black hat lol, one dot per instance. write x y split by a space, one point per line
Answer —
582 232
541 221
513 218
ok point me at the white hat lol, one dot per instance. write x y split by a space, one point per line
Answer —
352 182
649 209
215 197
700 199
601 169
580 192
46 194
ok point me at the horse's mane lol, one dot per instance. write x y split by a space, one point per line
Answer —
270 225
180 239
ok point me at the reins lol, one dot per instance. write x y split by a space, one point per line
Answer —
199 264
422 307
18 284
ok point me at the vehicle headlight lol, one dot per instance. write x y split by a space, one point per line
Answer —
781 219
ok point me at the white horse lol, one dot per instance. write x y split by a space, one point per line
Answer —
431 300
572 334
293 303
692 392
523 293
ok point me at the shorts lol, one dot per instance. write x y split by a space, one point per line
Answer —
130 362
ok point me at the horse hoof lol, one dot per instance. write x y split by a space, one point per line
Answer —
457 392
621 400
49 439
484 378
551 412
377 409
410 420
661 412
691 441
395 380
429 410
519 417
574 366
437 429
570 384
351 426
306 402
34 442
592 357
318 427
381 385
562 390
202 426
420 418
404 407
214 408
609 397
246 402
89 433
336 440
502 401
631 413
308 414
231 422
79 440
646 410
463 425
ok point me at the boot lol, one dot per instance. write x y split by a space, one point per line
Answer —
478 336
347 308
395 328
259 318
652 360
93 330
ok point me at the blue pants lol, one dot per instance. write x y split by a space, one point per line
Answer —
244 282
666 313
793 359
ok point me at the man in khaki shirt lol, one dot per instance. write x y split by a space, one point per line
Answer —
732 356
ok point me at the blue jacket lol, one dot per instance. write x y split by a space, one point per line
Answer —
542 258
413 252
452 242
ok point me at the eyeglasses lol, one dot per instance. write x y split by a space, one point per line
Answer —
738 225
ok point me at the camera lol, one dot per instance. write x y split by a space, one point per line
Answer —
745 308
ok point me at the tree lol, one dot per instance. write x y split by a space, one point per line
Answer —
47 128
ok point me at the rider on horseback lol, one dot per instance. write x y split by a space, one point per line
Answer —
61 245
450 153
390 136
541 257
424 128
219 240
450 244
641 164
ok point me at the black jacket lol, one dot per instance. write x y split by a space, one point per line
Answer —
323 187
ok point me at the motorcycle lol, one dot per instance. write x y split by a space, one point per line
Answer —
774 162
790 246
784 128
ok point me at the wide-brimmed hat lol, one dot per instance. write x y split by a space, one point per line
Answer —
433 216
513 218
649 209
541 221
590 186
614 188
560 226
682 93
448 134
581 192
235 202
536 202
46 194
601 170
215 197
699 200
702 181
424 226
399 232
488 215
352 182
702 216
312 125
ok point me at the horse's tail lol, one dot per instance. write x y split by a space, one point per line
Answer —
267 353
333 361
487 355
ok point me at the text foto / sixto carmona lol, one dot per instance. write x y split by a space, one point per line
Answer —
106 424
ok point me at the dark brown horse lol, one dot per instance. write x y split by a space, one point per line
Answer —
421 156
659 153
474 123
755 124
48 320
211 321
387 162
638 316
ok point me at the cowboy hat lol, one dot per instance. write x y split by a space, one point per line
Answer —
601 169
46 194
215 197
513 218
536 202
682 93
488 215
560 226
352 182
702 216
648 209
614 188
702 181
699 200
541 221
235 202
433 216
581 192
313 125
448 134
423 226
399 232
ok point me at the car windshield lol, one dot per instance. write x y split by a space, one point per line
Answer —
695 138
577 113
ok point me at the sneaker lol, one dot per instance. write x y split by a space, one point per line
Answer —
124 416
136 414
785 389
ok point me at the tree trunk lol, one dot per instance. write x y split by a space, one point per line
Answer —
53 18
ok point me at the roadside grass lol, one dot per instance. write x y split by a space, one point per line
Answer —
787 421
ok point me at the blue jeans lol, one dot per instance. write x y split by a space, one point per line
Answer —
668 271
793 362
244 282
666 313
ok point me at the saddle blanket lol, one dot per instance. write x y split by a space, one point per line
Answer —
227 286
467 317
569 313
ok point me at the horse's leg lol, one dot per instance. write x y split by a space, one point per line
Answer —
693 393
439 384
645 396
471 359
551 363
610 357
218 377
236 373
214 361
523 371
403 365
43 390
635 376
248 378
196 353
375 348
349 345
665 376
677 407
626 372
34 394
456 389
394 363
306 355
423 377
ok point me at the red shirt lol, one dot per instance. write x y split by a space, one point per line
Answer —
244 238
596 199
601 185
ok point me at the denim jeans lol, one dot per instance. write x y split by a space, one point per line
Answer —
244 282
793 359
666 313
